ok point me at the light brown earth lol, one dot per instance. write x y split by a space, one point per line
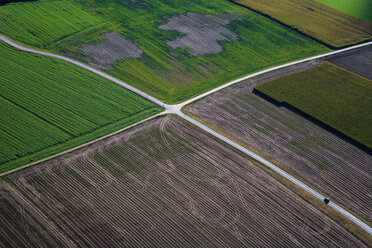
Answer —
21 225
106 53
165 183
202 33
321 159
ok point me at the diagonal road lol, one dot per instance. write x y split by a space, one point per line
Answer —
176 109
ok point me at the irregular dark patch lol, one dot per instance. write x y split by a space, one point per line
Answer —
202 32
106 53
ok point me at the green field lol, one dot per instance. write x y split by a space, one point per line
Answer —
174 75
43 23
48 106
328 25
358 8
333 95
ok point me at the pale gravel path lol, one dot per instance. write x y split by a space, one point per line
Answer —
176 109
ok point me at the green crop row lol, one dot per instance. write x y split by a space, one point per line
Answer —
333 95
42 23
174 75
45 102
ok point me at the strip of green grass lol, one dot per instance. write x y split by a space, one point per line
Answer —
326 24
42 23
358 8
333 95
48 106
174 75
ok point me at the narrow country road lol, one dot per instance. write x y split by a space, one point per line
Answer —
176 109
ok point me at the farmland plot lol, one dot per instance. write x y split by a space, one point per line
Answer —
358 61
331 95
173 60
23 226
43 23
326 162
332 27
358 8
165 183
48 106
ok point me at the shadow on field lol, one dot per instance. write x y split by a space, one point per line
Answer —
3 2
317 122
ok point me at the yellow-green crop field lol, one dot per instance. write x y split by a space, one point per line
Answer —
328 25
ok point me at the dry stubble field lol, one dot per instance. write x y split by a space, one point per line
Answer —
165 183
320 158
23 226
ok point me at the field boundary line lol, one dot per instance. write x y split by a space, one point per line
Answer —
176 109
82 145
198 97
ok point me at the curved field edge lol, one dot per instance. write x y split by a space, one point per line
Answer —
339 218
49 105
327 25
173 75
105 130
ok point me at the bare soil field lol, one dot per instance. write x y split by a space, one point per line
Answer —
320 158
358 61
165 183
21 225
106 53
202 33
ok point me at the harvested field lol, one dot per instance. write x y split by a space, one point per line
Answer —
328 25
108 52
165 183
325 161
358 61
23 226
203 33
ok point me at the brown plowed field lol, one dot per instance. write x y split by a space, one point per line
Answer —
21 225
167 184
358 61
323 160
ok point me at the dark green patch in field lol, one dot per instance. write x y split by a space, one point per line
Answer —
332 95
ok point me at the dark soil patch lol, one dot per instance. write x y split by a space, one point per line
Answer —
358 61
105 54
203 33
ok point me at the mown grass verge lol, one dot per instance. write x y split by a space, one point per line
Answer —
330 94
48 106
328 25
